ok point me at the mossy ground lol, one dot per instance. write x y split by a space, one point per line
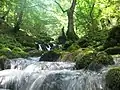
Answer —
13 45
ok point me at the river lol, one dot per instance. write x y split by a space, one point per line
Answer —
30 74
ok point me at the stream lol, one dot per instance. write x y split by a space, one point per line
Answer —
30 74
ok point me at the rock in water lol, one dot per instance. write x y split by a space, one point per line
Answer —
50 56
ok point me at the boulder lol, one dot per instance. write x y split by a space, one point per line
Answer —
113 79
35 53
94 61
113 50
84 61
2 62
50 56
113 38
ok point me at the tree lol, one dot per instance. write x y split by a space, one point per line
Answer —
71 35
20 15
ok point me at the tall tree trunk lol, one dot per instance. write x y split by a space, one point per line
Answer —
18 23
20 16
71 35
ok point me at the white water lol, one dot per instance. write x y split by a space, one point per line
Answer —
29 74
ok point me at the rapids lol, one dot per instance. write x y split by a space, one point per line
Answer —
30 74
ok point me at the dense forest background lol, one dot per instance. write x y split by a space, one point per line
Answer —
22 22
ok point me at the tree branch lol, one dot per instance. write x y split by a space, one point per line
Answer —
73 5
92 10
60 7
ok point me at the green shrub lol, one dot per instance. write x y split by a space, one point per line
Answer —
5 51
9 41
18 52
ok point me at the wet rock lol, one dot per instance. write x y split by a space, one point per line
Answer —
94 66
3 59
35 53
50 56
113 50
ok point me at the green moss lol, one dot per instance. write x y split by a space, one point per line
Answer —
82 62
96 58
113 79
8 40
18 52
17 49
25 39
1 46
5 51
73 47
104 58
69 56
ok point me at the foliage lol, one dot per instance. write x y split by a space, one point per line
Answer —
113 38
43 20
8 41
95 17
18 52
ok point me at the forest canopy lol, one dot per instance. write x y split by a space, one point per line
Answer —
92 18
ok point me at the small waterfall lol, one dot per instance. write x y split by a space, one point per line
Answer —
30 74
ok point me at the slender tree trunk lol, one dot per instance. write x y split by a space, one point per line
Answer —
18 23
20 16
71 35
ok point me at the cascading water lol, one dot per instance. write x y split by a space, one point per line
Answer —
29 74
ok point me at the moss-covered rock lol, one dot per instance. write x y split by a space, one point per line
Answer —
113 79
69 56
16 52
113 38
104 58
35 53
83 62
113 50
93 61
73 47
